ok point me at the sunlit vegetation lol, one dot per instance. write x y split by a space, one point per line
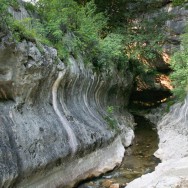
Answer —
107 36
179 2
179 64
110 35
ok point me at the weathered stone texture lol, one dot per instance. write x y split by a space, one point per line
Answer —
52 114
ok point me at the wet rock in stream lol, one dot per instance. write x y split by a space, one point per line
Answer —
138 160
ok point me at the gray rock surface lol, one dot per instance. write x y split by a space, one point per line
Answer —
88 166
173 152
170 174
156 114
172 128
53 115
175 27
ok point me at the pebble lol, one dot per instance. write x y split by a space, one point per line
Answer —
107 183
115 185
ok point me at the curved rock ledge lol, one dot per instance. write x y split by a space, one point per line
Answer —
53 115
91 165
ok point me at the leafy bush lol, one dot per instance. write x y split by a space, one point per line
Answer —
179 2
20 29
141 24
29 6
110 119
4 15
70 28
112 50
74 28
65 17
179 64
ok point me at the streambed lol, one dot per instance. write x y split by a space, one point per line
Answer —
138 158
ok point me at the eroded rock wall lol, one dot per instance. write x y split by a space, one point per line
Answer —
173 152
53 115
175 27
172 128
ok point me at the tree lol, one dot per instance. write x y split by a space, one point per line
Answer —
179 64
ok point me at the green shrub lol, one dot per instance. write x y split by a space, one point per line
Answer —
29 7
74 28
179 64
110 119
4 15
112 51
179 2
86 26
22 29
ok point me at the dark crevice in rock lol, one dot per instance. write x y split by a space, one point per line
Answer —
166 2
149 98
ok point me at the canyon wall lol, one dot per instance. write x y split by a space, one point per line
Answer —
54 125
173 152
175 27
172 128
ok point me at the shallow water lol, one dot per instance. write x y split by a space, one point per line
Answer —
138 158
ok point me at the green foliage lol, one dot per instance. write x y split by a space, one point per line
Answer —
110 110
179 63
22 29
29 6
65 17
169 103
139 24
74 28
4 15
143 34
109 119
179 2
112 51
144 42
71 29
111 122
108 41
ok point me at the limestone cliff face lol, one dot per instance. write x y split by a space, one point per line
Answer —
172 128
53 127
153 89
175 27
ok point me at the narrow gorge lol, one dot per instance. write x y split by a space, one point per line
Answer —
67 111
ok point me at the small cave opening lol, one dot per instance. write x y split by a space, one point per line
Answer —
149 91
149 98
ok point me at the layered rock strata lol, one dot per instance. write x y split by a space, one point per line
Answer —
54 128
175 27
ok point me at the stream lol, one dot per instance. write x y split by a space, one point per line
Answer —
138 158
